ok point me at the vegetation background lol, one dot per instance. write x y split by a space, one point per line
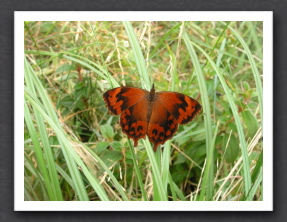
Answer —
75 150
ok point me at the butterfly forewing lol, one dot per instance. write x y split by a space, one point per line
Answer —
183 108
121 98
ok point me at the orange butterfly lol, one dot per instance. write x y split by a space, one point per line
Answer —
156 115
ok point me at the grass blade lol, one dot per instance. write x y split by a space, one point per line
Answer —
209 170
243 145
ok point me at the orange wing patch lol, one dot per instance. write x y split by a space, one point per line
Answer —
134 122
182 107
121 98
156 115
162 125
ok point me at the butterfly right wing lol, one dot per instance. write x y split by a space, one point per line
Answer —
162 125
182 107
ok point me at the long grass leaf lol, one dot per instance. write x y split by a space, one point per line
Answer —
138 56
209 170
255 72
243 145
69 153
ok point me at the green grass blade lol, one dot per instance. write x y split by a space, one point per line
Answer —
140 62
158 183
209 170
39 154
98 69
138 56
139 177
243 145
70 155
175 190
165 163
255 72
45 157
106 168
256 185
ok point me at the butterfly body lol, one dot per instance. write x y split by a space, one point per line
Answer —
152 114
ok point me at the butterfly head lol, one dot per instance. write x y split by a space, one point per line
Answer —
152 93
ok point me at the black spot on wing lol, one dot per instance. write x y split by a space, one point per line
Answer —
167 129
127 120
183 106
196 109
134 128
140 128
154 132
120 97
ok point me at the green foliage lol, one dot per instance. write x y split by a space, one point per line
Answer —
232 149
74 147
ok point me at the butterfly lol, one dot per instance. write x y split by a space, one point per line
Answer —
152 114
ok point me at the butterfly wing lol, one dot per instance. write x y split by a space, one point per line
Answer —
132 104
159 119
183 108
168 110
162 125
121 98
134 122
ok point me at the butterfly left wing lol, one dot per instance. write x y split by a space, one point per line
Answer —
132 104
134 122
121 98
183 108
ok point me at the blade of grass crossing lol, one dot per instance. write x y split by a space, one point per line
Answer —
140 181
209 170
246 167
98 69
255 72
161 42
140 62
156 172
175 190
68 151
106 168
45 158
138 55
49 109
39 155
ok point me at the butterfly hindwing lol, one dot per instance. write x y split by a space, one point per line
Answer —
183 108
162 125
134 122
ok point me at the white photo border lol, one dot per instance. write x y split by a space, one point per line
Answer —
265 16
